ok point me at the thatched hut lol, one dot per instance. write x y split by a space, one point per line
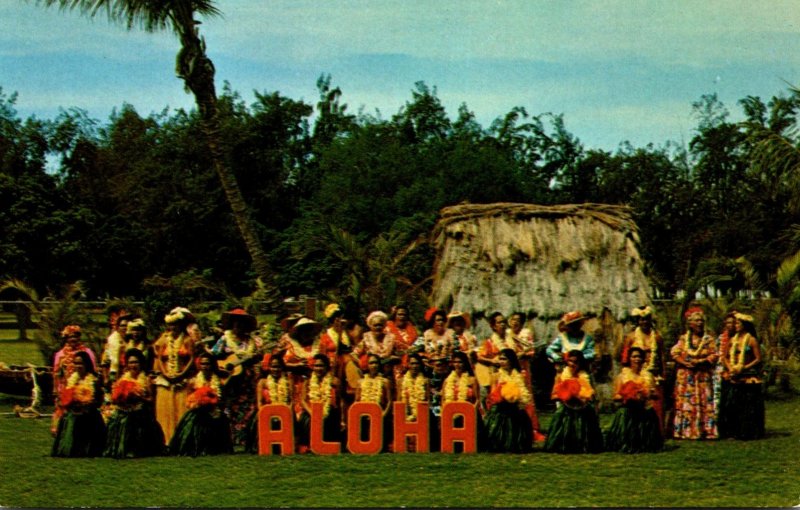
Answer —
540 260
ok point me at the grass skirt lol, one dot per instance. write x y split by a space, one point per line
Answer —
80 435
742 411
134 433
634 430
508 429
574 431
202 431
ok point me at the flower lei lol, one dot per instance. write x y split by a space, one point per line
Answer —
232 342
320 391
635 386
173 351
413 392
129 390
279 390
456 387
299 351
515 377
371 388
648 344
338 338
736 350
688 344
586 391
200 381
79 391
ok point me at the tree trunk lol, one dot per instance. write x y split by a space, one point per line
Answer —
197 71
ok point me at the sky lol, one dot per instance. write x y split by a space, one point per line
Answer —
617 70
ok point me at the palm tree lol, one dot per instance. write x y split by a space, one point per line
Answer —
197 72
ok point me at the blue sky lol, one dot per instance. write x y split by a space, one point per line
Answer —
618 71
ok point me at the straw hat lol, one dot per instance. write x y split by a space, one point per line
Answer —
463 315
305 322
238 314
570 317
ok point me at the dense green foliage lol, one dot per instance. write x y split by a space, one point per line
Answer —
343 201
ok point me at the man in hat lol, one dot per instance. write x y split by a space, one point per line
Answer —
571 337
239 351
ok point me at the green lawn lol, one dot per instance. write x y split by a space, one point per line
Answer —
725 473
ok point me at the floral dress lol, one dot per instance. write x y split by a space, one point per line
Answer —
173 362
695 407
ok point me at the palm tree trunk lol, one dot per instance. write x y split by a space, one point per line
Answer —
197 72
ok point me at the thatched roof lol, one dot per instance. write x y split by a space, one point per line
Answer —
538 259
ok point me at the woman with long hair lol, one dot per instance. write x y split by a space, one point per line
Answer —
636 426
575 427
508 426
81 431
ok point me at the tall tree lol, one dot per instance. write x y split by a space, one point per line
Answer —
197 72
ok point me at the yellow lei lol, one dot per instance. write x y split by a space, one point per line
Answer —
300 352
737 349
232 342
320 391
215 384
413 392
279 391
515 377
173 349
337 338
648 344
372 388
83 388
140 380
456 388
587 392
688 343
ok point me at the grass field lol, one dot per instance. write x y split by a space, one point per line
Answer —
725 473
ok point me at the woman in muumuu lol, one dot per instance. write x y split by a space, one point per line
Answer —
742 413
695 355
81 431
203 429
508 426
635 428
575 427
132 428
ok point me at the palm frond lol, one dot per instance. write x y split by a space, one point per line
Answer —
788 270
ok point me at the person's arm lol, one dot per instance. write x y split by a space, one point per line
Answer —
304 398
756 353
553 350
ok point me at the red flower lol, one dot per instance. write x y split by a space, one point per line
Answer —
496 395
204 396
630 390
567 389
67 396
126 392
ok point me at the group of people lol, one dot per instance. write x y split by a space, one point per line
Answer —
183 395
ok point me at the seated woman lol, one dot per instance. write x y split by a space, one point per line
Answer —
132 428
575 427
321 388
508 426
274 388
81 431
203 429
635 427
742 414
375 388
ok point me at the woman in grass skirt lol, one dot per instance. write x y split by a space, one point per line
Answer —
575 427
375 388
320 388
742 411
203 429
132 429
635 427
461 386
81 431
273 389
508 426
